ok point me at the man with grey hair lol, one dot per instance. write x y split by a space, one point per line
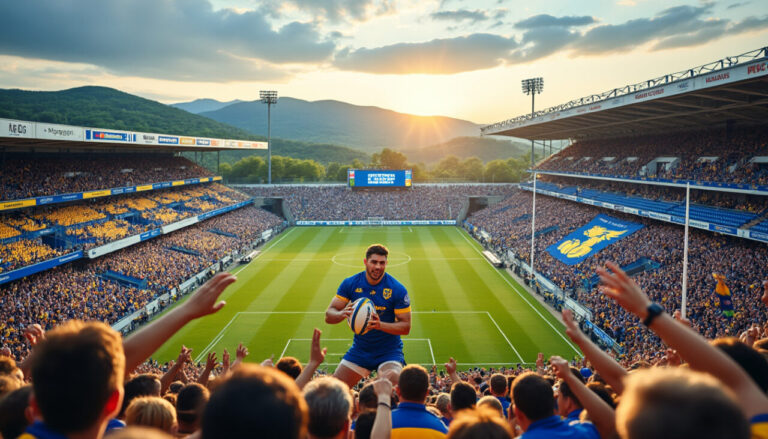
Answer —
330 406
443 404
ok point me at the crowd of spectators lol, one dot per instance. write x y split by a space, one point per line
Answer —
87 381
715 155
340 203
743 262
94 223
26 176
80 292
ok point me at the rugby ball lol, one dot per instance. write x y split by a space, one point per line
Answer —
362 311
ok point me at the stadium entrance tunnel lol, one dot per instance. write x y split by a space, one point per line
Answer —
274 205
480 203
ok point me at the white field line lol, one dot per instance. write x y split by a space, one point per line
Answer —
461 232
505 337
431 352
270 248
282 354
216 339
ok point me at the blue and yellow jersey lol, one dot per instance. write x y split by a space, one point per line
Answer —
39 430
389 297
759 426
413 421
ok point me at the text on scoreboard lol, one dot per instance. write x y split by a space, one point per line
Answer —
380 178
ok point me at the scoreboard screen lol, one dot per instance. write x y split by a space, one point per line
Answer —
367 178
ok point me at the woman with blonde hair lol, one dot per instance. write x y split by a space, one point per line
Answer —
152 411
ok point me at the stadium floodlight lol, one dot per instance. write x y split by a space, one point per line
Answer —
533 86
269 97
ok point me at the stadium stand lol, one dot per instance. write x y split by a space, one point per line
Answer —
25 175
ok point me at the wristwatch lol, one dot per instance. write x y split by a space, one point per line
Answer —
654 310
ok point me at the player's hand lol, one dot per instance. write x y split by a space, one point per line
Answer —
375 322
347 311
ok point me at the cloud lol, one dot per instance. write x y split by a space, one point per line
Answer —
171 39
439 56
738 5
460 15
545 20
672 22
334 11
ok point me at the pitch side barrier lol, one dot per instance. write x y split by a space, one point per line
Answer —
379 223
115 245
675 219
66 198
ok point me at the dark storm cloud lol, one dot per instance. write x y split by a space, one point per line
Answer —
172 39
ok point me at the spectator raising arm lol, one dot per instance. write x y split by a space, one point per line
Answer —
210 363
316 357
382 426
141 344
173 371
607 367
691 346
601 414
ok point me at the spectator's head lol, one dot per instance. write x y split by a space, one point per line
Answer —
490 402
364 425
680 404
256 399
146 384
367 399
413 385
330 406
566 400
15 414
443 404
290 366
533 398
190 404
8 368
152 411
463 396
77 371
136 432
175 387
479 424
752 361
604 392
498 385
8 384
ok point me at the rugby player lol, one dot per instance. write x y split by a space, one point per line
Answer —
380 348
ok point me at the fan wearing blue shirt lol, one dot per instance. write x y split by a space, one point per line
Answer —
534 410
380 348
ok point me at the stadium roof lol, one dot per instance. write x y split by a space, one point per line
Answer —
731 89
17 135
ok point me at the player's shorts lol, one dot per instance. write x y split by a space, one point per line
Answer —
364 362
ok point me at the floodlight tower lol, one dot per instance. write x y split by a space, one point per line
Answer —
533 86
269 97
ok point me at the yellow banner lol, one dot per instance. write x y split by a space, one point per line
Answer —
216 178
16 204
95 194
177 183
146 187
187 141
205 179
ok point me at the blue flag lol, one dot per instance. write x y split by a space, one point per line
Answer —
599 233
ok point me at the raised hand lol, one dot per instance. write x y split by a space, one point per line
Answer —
269 361
185 356
562 369
450 366
34 333
316 354
621 288
383 389
673 358
765 293
571 328
210 361
225 360
204 300
242 352
679 317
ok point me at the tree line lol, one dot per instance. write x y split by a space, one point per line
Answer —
253 169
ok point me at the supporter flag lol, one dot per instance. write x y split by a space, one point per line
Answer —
584 242
723 294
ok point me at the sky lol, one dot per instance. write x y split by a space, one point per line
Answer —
458 58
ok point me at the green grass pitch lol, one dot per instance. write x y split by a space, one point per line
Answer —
462 305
